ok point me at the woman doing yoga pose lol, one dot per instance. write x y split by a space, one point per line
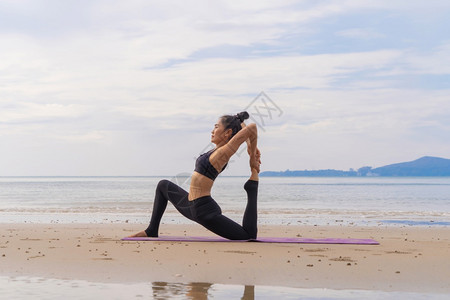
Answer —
228 134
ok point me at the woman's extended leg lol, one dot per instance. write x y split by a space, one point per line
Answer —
166 191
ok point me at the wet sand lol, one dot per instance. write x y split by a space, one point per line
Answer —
411 259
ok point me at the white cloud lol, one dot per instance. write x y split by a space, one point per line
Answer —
34 113
435 62
114 73
360 33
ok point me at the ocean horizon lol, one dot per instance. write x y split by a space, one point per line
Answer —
412 201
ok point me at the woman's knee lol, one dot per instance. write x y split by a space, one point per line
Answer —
163 186
162 183
254 234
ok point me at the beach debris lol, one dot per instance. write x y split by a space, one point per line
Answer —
340 258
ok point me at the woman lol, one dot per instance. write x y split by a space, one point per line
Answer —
198 205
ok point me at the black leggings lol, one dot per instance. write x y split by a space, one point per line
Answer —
205 211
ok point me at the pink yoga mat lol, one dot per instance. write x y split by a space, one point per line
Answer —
260 240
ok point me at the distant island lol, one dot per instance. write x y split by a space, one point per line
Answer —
424 166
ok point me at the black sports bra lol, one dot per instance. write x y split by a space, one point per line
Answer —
204 166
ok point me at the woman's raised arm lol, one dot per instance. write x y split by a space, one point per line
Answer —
222 155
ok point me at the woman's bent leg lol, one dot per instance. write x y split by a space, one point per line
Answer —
208 213
167 191
250 219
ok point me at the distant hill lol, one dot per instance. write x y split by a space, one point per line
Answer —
424 166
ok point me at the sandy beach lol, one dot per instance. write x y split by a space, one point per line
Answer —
412 259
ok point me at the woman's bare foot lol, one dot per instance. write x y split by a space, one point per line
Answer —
254 175
139 234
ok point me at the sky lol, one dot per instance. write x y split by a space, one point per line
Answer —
134 88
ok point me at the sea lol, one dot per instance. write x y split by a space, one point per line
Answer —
335 201
359 201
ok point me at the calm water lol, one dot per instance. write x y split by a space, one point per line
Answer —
44 288
295 200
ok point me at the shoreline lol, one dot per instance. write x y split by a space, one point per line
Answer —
409 259
284 217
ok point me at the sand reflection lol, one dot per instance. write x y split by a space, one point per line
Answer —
192 291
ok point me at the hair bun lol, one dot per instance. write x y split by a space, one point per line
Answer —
243 116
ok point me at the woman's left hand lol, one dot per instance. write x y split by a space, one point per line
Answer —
255 162
257 153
